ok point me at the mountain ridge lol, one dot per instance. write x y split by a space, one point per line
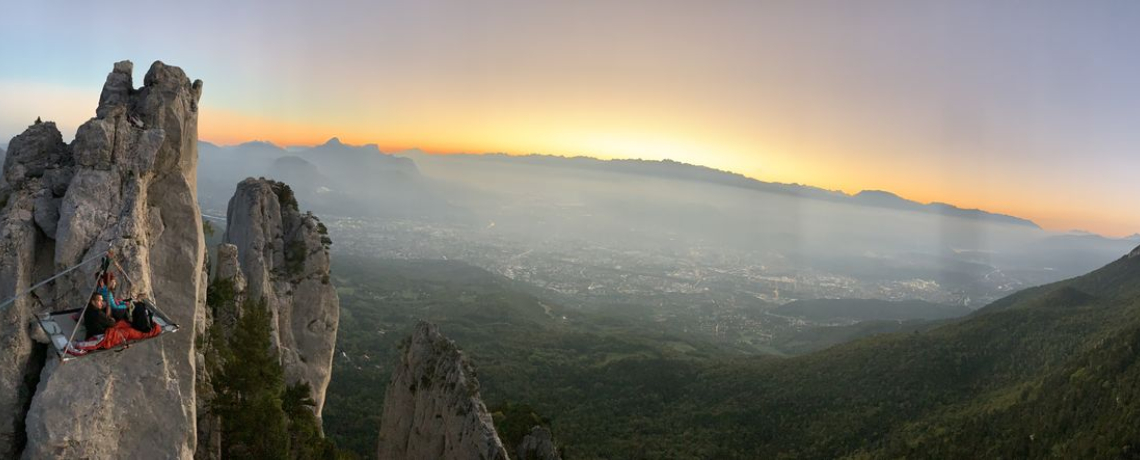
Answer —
672 169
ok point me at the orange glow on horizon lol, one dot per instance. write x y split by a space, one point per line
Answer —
229 128
933 104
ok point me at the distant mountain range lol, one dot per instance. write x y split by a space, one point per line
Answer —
337 178
362 162
368 163
669 169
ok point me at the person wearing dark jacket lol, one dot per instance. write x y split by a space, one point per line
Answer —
97 318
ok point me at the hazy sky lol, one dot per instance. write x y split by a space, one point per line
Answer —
1024 107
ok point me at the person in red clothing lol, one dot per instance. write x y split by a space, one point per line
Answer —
121 333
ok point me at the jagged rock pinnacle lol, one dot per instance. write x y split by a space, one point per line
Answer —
537 445
284 256
432 409
121 184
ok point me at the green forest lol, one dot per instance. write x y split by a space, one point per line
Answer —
261 417
1047 372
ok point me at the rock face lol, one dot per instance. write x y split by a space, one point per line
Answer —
432 409
126 182
284 257
220 321
25 255
229 269
537 445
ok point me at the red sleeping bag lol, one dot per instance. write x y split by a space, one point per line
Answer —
119 334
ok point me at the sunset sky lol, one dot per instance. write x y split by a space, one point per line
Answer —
1019 107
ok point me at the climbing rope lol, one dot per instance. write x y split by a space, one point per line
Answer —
46 281
87 301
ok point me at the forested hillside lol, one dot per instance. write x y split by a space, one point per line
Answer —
1047 371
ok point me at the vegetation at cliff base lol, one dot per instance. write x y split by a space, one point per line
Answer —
261 417
514 421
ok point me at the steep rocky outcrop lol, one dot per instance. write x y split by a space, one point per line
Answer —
537 445
284 258
25 255
223 298
126 182
432 408
228 271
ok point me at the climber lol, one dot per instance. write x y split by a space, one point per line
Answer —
97 318
106 287
108 322
115 332
122 333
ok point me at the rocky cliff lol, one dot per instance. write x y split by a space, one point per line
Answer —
127 181
432 408
284 257
538 445
220 321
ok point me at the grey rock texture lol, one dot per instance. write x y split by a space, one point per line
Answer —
537 445
228 266
24 257
432 408
31 154
209 425
127 181
229 269
284 256
220 321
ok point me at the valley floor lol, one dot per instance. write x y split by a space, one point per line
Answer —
1048 371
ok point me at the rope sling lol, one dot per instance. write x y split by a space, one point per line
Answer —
99 274
108 259
46 281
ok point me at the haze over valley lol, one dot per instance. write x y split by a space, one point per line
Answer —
685 246
589 230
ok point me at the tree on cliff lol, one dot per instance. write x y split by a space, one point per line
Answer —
261 417
249 390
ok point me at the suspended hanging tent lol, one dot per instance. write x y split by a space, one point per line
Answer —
66 330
